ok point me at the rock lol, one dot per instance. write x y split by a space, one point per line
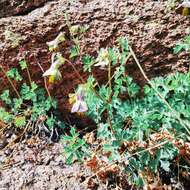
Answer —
18 7
149 28
3 143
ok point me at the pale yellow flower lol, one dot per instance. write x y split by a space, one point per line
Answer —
102 59
186 3
54 43
53 72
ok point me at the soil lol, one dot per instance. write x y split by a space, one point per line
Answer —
38 164
152 30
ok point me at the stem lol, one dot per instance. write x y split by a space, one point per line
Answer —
185 125
76 71
110 96
46 87
29 76
115 73
45 82
10 81
109 80
136 153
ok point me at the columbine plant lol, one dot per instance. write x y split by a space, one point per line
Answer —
135 132
30 111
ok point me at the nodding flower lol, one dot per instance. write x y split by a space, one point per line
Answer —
80 105
186 3
54 43
184 7
53 72
102 59
74 29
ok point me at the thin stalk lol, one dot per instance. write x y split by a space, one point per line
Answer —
185 125
29 76
45 82
115 73
110 96
46 87
10 81
109 80
136 153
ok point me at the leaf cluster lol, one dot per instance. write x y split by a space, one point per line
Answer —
32 104
142 131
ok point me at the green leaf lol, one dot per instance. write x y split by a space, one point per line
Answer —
66 138
27 93
73 132
23 64
14 74
17 102
6 116
123 43
155 162
70 159
178 48
87 61
74 51
20 121
50 122
5 97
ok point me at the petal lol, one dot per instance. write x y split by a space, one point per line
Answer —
58 75
54 43
49 72
72 98
83 107
51 79
186 4
102 64
75 107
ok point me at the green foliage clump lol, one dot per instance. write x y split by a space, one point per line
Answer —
153 124
31 108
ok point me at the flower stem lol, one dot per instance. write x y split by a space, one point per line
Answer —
45 82
10 81
186 125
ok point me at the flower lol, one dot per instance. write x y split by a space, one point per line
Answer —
54 75
54 43
53 72
186 3
103 58
80 105
72 98
74 29
186 8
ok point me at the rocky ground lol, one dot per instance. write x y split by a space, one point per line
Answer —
38 164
